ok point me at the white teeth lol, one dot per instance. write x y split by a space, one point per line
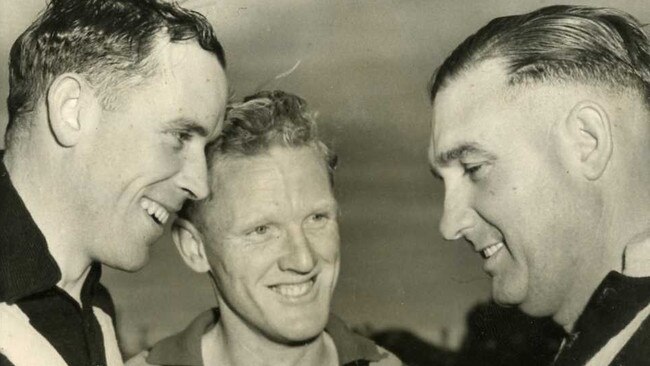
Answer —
295 290
155 210
492 249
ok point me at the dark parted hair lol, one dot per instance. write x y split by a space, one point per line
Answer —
252 127
594 46
107 41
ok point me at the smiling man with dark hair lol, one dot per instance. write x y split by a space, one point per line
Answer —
111 105
541 134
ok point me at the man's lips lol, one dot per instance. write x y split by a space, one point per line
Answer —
294 289
158 212
491 250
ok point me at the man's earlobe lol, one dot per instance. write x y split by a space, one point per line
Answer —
189 243
589 129
63 108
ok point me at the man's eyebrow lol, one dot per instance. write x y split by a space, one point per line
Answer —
445 157
188 125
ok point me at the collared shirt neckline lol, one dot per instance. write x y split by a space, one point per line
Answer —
26 265
184 348
612 306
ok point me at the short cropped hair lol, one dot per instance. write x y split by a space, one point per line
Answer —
107 41
262 121
602 47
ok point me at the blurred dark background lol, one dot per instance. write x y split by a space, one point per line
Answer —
495 336
364 65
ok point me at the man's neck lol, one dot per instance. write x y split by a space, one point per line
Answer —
613 257
74 286
39 194
237 345
577 301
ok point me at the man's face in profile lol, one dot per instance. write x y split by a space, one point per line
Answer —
505 189
272 241
146 155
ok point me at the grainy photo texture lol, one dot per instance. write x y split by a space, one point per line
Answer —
299 182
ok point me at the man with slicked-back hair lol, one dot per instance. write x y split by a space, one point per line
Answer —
541 135
111 104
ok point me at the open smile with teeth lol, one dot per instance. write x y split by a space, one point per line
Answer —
294 290
154 209
492 250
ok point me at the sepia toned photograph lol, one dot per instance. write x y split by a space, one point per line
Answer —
303 182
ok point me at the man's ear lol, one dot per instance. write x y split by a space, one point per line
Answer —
189 242
588 129
64 107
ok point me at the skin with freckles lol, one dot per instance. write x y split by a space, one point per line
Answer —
272 243
268 237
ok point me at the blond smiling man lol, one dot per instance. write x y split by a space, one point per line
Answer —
268 237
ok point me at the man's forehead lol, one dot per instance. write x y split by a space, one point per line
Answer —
233 170
468 96
275 162
469 88
194 82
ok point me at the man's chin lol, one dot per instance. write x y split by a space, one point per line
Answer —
506 300
130 264
301 332
297 338
526 306
536 309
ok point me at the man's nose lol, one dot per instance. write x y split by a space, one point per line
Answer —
457 215
193 177
299 256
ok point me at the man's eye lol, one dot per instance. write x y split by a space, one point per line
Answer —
260 234
319 217
317 220
261 230
182 136
179 138
474 171
436 175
